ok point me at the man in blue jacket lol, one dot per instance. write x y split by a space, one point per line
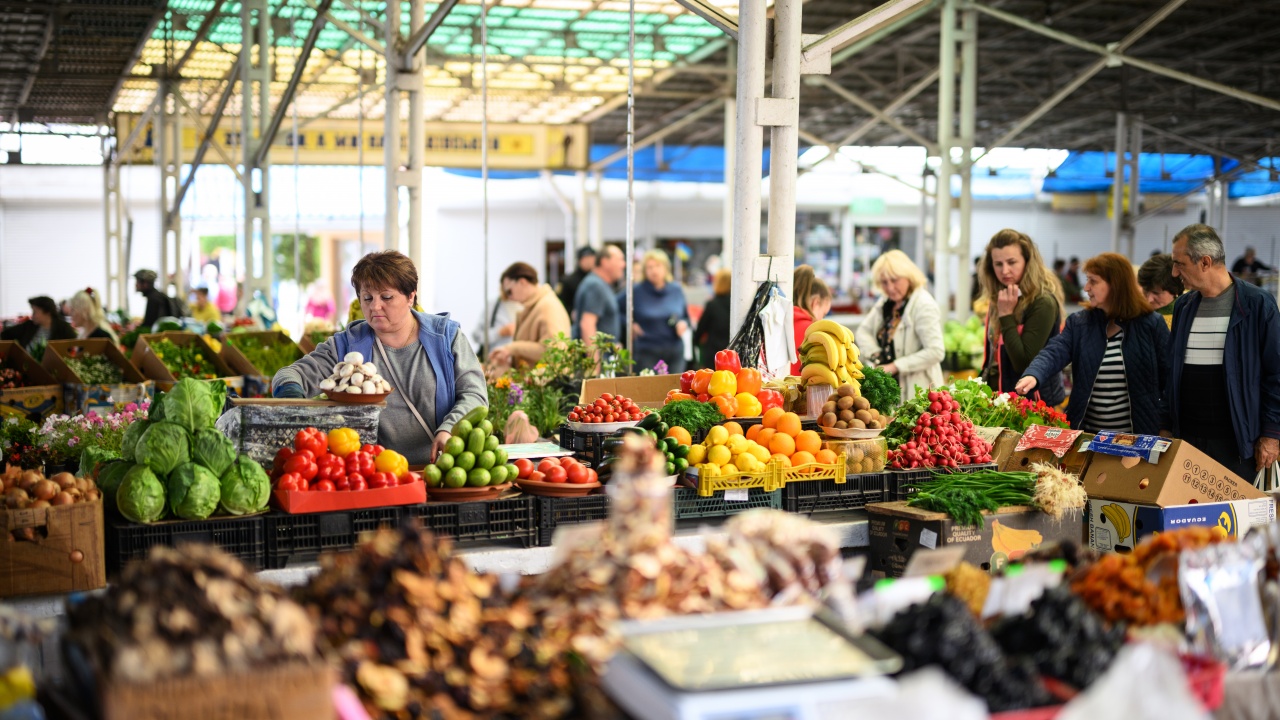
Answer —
1223 395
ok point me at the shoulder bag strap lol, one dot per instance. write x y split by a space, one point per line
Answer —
391 369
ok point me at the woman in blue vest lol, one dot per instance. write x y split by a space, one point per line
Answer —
436 376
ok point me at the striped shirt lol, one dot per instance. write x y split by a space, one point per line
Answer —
1209 329
1205 411
1109 404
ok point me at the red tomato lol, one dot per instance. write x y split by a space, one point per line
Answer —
557 475
546 465
325 486
566 461
536 476
357 484
524 467
577 474
592 476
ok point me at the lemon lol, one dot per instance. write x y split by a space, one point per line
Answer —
697 453
719 455
737 444
745 462
717 435
759 452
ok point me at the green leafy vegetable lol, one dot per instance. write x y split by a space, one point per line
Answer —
267 357
92 456
110 475
188 404
95 370
691 415
129 442
184 361
881 390
163 447
140 497
194 492
965 496
213 450
245 487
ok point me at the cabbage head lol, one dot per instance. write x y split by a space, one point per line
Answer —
110 475
190 405
140 497
163 447
129 442
213 450
245 487
92 456
194 492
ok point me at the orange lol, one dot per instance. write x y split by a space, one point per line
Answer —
825 457
802 458
753 433
782 460
782 444
809 441
789 424
681 435
733 428
771 417
765 436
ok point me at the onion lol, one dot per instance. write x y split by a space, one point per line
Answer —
44 490
65 480
62 498
16 499
29 478
92 494
39 504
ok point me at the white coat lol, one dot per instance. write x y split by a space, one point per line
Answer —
917 342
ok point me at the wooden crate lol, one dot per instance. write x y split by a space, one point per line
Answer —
46 566
144 358
42 396
240 364
292 691
80 397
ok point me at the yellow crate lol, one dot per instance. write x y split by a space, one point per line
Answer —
709 483
864 456
817 471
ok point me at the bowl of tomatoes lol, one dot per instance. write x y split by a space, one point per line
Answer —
608 413
556 477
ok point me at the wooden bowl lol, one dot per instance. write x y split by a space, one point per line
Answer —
356 399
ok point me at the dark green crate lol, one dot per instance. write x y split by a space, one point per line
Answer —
690 505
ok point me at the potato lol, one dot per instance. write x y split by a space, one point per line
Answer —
862 403
828 420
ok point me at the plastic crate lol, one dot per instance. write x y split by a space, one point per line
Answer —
238 536
689 505
481 521
587 447
900 480
807 498
554 512
817 472
301 538
769 479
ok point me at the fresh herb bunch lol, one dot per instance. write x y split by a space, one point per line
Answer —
265 356
184 362
95 370
692 415
1019 413
965 496
881 390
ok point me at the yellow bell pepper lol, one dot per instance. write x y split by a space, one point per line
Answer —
343 441
723 382
390 461
748 405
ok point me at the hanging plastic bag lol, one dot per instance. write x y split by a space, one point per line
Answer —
1143 683
779 340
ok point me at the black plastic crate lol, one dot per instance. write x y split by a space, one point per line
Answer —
587 447
819 496
238 536
481 521
900 480
301 538
690 505
554 512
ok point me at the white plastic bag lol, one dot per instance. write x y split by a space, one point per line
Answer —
1143 683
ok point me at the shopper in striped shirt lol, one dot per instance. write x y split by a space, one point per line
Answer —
1223 394
1116 352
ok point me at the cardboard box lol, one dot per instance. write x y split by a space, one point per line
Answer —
256 382
1068 449
45 566
144 358
1119 527
42 395
898 531
1003 441
1159 472
646 391
292 691
81 397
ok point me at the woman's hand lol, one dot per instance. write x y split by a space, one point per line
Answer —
500 356
1007 300
682 327
437 446
507 330
1026 385
891 368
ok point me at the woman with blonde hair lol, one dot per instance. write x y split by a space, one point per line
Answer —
1024 314
87 316
902 333
812 302
661 316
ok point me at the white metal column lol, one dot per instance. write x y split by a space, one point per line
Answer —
391 133
946 139
411 81
115 292
784 144
168 156
968 115
1117 185
1135 188
730 132
597 211
255 115
582 222
748 150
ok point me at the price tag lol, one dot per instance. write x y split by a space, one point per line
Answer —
989 435
736 495
928 538
934 562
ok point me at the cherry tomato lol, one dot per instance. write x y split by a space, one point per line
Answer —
557 475
325 486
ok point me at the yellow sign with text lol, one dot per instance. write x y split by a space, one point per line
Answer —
512 146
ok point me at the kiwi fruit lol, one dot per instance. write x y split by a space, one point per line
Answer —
830 407
861 403
856 455
863 415
846 415
846 403
857 425
845 391
842 425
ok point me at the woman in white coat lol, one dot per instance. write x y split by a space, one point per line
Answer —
902 333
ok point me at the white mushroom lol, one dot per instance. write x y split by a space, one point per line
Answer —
383 386
346 371
328 384
354 357
357 378
369 369
338 368
369 388
356 390
342 388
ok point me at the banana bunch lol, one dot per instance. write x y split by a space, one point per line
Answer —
1119 519
829 356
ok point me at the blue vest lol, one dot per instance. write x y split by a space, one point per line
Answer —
435 333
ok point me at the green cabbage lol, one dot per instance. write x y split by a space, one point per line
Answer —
110 476
163 447
156 412
194 492
129 442
189 404
213 450
140 497
91 456
245 487
217 398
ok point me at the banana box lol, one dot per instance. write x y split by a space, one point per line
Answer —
1147 470
1119 527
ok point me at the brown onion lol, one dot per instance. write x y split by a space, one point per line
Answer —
29 478
65 480
62 498
44 490
16 498
39 504
92 495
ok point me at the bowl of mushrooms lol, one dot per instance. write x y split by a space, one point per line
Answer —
356 382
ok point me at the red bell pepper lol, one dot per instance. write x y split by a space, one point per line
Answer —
686 381
324 486
382 480
311 439
728 360
356 483
331 467
360 463
410 478
373 450
303 463
702 397
342 482
769 399
291 482
277 465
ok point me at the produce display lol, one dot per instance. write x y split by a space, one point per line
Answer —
191 611
95 369
936 435
184 361
735 391
265 356
176 463
829 356
555 470
778 438
10 379
847 411
1064 638
607 408
337 462
965 340
965 496
30 489
355 376
472 456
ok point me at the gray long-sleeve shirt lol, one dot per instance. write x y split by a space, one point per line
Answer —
399 429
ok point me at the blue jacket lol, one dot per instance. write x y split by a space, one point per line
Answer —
1083 342
436 334
1251 359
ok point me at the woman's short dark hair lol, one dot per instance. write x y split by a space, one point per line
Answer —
385 270
520 271
45 304
1157 274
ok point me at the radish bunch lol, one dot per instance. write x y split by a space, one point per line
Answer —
941 438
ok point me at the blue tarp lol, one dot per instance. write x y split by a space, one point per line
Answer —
1170 173
681 163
